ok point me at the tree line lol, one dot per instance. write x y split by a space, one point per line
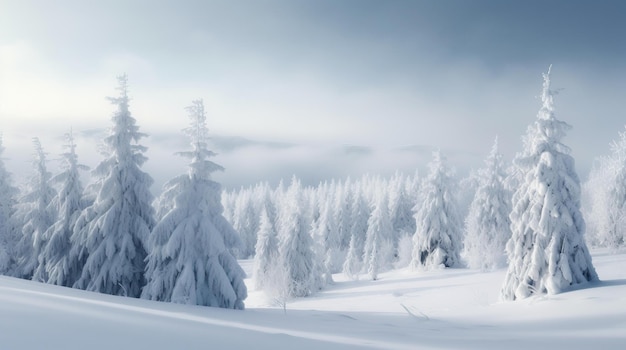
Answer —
114 237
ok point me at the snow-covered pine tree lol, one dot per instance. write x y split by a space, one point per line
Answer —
547 252
487 225
326 238
7 225
246 222
595 205
400 208
267 199
190 260
296 247
78 240
359 216
38 214
166 200
378 251
437 239
114 229
266 256
466 192
56 254
342 211
613 225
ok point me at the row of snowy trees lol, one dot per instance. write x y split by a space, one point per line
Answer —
114 238
526 216
302 235
109 238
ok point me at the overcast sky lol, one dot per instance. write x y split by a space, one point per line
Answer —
317 88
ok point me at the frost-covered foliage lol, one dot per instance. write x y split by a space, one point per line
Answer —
36 212
335 214
378 252
404 251
342 214
296 248
467 190
266 257
358 231
7 226
246 223
327 241
190 260
401 204
487 225
437 239
606 196
547 252
594 201
111 234
69 202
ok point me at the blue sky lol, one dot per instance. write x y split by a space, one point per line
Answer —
317 88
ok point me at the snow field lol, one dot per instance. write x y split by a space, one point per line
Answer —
439 309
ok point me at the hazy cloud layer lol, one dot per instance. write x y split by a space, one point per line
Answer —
323 88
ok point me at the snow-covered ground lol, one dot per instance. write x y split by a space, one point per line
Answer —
447 309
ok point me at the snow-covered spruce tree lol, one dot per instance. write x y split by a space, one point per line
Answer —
114 229
78 240
266 256
594 203
7 225
612 228
38 214
400 206
360 214
342 211
165 202
56 254
547 251
296 247
437 239
326 239
246 222
378 251
190 260
466 192
487 225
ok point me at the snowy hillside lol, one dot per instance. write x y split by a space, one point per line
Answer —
452 309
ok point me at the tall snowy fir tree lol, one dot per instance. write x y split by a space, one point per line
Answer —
378 250
547 252
342 211
400 206
296 248
437 239
594 201
487 225
609 196
37 214
56 254
358 231
114 229
326 238
266 257
7 226
190 260
246 223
